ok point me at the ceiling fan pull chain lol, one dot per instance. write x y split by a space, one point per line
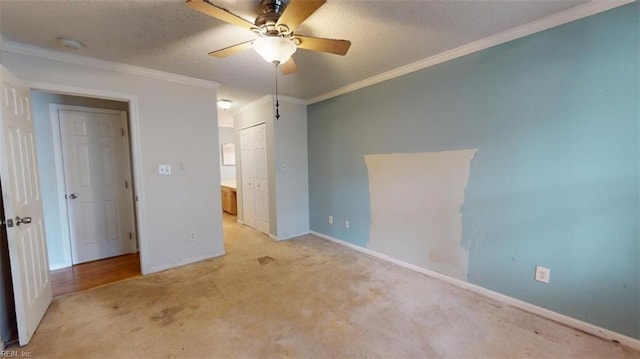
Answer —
277 102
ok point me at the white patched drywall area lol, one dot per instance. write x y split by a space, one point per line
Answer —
415 208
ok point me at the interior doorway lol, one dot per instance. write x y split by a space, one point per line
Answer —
255 189
95 164
87 189
88 275
8 325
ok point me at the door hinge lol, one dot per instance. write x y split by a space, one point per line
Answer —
130 235
126 184
122 130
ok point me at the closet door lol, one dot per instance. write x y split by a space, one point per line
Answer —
248 177
255 188
261 185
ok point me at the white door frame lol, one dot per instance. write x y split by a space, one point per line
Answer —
136 151
239 183
60 173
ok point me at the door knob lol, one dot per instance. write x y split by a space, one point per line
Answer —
25 220
72 196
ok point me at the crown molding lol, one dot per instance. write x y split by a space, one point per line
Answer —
28 50
261 100
290 99
545 23
268 98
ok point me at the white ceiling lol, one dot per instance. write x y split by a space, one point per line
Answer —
166 35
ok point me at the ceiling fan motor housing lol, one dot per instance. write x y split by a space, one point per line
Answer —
276 29
271 11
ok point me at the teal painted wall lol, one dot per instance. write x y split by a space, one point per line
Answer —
555 181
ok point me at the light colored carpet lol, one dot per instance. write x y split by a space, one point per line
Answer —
302 298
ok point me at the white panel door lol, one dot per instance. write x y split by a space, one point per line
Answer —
262 189
23 206
248 177
255 189
93 151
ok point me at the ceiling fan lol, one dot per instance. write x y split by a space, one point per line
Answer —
275 27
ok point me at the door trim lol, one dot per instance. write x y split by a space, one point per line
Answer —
60 173
136 151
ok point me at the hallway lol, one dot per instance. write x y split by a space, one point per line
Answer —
93 274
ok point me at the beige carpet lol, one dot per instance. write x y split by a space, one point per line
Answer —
301 298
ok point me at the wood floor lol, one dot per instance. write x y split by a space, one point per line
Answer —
93 274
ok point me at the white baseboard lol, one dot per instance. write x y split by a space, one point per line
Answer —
274 237
546 313
290 236
240 221
184 262
59 266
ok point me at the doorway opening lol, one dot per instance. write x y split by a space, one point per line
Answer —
227 160
87 187
8 325
88 275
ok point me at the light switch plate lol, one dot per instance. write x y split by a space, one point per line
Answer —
164 170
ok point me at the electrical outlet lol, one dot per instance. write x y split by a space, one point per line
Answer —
164 170
347 224
330 219
542 274
192 236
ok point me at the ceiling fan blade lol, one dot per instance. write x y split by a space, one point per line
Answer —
298 11
337 47
227 51
289 67
207 8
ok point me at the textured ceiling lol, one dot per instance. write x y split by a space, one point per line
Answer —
168 36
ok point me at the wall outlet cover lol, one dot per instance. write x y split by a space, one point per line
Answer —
542 274
164 170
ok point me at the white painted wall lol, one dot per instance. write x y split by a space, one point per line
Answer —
286 145
225 118
226 135
40 101
177 125
416 200
291 171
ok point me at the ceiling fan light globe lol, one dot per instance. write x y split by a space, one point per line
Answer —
275 49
